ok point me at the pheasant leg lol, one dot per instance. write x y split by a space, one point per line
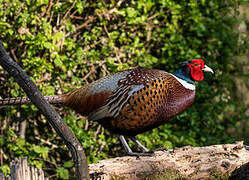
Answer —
142 147
129 151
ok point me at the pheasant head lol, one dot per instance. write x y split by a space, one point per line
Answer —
193 70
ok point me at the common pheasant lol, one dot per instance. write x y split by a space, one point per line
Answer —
133 101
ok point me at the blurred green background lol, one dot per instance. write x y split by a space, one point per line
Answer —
63 45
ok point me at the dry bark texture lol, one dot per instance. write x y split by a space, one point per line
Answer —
211 162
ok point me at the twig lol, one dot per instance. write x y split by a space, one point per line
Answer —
77 17
46 142
49 8
22 128
86 125
89 20
1 157
116 50
97 132
12 51
89 73
68 11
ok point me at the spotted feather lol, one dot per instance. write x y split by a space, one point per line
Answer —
128 86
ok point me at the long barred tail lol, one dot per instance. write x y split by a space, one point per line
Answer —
23 100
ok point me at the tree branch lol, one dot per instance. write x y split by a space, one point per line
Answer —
53 117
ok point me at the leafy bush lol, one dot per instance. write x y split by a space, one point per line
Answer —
63 45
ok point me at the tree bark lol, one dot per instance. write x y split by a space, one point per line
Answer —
212 162
53 117
20 170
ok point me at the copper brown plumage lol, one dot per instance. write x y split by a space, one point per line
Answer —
147 107
136 100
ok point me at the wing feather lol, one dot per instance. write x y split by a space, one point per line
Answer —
127 86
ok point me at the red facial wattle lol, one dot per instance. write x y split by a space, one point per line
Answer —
196 67
197 73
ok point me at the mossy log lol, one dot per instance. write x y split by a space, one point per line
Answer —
211 162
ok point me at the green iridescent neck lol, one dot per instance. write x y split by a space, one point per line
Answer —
180 73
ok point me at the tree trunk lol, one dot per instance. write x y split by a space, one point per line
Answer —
20 170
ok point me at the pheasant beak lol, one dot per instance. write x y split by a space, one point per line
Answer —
207 69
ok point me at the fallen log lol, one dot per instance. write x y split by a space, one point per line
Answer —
227 161
211 162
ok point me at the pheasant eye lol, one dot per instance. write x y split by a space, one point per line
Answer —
195 65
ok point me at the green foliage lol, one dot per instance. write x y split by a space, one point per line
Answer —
63 45
62 173
5 169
